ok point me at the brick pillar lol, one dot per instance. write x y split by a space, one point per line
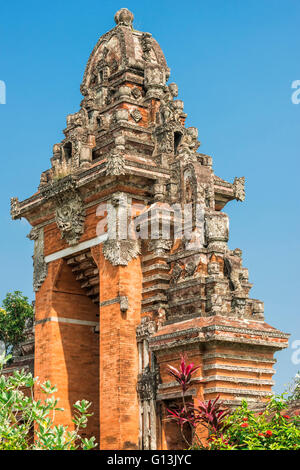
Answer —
66 345
119 417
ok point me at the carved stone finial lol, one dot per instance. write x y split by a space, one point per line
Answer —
124 17
14 208
239 188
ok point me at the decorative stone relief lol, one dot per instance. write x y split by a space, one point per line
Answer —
115 164
145 329
190 268
213 268
69 216
39 265
235 275
176 273
160 246
239 188
239 306
147 384
120 252
116 161
136 115
14 208
217 230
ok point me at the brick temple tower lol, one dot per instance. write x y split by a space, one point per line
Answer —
131 263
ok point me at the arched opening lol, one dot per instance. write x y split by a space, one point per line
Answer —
68 150
177 140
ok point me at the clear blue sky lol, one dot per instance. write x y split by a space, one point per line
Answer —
234 62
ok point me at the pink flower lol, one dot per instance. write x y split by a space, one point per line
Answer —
184 375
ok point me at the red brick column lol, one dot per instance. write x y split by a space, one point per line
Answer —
119 418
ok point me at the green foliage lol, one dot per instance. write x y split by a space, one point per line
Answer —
13 315
269 430
20 413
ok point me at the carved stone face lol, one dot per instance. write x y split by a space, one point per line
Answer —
70 220
173 89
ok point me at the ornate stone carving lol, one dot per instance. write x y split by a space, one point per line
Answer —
69 216
39 266
145 329
217 230
115 164
136 93
116 160
124 303
235 275
14 208
160 246
239 188
146 45
136 115
162 316
213 268
147 384
190 268
239 306
120 252
176 273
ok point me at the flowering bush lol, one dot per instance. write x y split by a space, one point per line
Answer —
20 414
268 430
241 429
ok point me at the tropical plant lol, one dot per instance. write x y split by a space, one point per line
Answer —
241 429
211 415
28 424
15 311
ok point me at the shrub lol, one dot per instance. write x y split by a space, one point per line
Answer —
20 414
268 430
14 313
241 429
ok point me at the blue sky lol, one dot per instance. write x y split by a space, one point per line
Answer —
234 62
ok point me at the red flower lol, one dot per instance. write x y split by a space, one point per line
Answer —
184 375
286 416
245 419
244 425
269 433
261 434
260 413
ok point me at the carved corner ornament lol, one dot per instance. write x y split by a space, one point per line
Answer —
14 208
40 267
239 188
120 252
115 164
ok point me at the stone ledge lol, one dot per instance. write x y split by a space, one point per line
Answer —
238 368
237 380
238 357
237 392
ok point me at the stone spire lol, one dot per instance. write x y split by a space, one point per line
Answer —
124 17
